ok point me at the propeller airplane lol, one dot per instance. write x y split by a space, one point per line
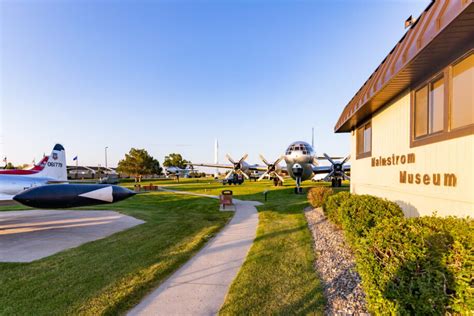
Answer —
302 164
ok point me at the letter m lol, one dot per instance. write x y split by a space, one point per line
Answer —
450 180
411 158
403 177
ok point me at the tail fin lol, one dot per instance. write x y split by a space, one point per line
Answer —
40 165
55 167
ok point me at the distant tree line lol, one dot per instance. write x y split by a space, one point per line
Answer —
175 160
10 166
139 163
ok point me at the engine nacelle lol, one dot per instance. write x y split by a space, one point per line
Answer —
297 170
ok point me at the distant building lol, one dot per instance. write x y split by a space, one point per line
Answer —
412 122
88 172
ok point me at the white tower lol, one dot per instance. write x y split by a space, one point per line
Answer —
216 157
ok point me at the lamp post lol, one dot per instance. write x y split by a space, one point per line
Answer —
106 156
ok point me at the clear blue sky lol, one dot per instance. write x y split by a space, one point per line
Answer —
171 76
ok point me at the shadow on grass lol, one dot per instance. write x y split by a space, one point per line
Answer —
111 275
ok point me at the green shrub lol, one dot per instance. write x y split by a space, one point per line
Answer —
418 266
332 206
317 195
360 213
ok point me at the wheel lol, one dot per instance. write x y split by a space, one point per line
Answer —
296 190
339 182
333 183
300 191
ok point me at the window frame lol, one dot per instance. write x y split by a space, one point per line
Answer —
363 128
446 133
428 84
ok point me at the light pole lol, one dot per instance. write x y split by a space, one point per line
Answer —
106 156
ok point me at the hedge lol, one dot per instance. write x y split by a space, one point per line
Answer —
317 195
408 266
363 212
418 266
332 204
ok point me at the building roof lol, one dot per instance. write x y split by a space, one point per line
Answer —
442 30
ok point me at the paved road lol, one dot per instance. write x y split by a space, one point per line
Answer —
30 235
199 287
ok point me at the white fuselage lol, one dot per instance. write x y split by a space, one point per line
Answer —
14 184
299 159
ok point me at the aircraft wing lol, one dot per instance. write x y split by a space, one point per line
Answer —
257 168
322 169
324 158
4 197
250 167
327 169
210 165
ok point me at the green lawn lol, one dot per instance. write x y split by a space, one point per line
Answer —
109 276
277 277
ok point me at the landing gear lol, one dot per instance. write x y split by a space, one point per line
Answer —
336 182
298 189
277 182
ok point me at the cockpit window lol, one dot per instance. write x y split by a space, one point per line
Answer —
304 148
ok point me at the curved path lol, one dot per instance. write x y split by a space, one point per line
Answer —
199 287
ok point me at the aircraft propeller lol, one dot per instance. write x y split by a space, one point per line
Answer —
337 168
237 166
271 169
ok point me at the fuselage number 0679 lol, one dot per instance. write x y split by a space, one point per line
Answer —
55 164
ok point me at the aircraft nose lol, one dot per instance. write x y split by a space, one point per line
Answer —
24 197
121 193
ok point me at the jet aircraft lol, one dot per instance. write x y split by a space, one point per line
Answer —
72 195
54 171
48 187
302 164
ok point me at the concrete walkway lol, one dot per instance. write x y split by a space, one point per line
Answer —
26 236
199 287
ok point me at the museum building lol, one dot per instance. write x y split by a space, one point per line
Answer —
412 122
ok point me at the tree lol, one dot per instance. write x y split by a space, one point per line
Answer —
156 169
175 160
138 163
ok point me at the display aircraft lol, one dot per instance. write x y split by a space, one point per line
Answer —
54 171
238 167
36 168
72 195
302 164
48 187
177 171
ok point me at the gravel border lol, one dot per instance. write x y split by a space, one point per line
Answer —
336 267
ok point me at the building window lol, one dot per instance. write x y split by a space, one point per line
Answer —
429 108
443 107
421 112
364 141
462 102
